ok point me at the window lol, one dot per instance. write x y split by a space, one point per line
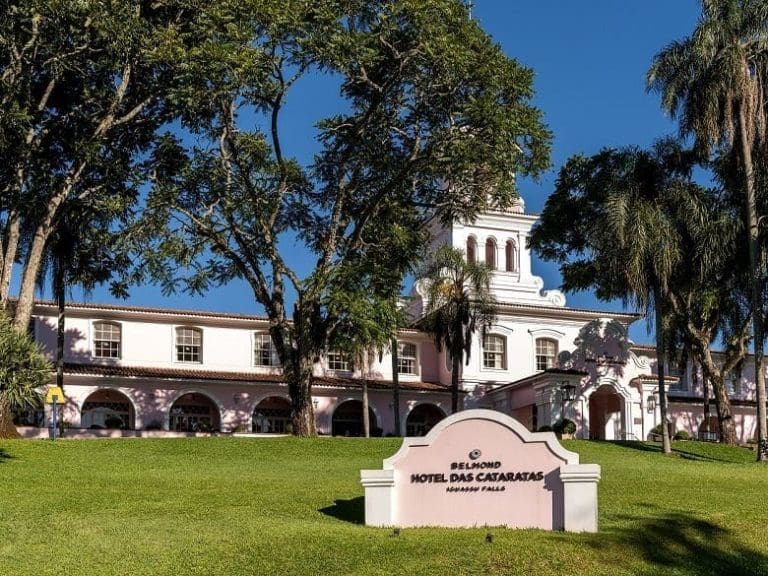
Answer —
189 345
406 358
511 256
490 253
493 351
471 250
264 353
106 340
337 361
546 353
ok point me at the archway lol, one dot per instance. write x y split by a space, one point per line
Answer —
33 415
194 412
272 416
348 419
422 419
605 414
107 408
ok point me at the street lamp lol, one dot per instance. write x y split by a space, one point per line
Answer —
651 403
568 391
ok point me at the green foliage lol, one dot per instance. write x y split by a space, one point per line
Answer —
458 303
83 91
434 120
715 83
564 426
23 368
708 500
682 435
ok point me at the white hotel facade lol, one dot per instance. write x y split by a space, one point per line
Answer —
140 369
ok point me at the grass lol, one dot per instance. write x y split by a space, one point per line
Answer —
228 506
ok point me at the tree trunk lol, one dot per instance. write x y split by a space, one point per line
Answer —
7 429
724 414
456 361
29 278
755 277
722 403
660 361
707 407
366 416
10 246
300 390
396 388
60 288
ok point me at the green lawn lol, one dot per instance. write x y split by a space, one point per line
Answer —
228 506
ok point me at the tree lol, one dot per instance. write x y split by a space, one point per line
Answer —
368 328
714 82
708 291
81 97
458 303
607 226
434 117
82 250
23 371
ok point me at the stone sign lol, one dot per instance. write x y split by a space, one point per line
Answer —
483 468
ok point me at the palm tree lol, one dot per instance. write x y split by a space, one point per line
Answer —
714 82
367 328
458 302
79 252
608 225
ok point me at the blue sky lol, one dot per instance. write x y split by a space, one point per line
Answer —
590 59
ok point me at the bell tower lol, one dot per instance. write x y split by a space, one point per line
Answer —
500 239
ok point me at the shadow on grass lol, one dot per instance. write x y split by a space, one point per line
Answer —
686 453
352 510
684 544
4 455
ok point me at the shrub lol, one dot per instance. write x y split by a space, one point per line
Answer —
656 430
113 423
564 426
682 435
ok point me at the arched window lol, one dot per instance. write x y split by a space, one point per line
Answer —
490 253
471 250
546 353
494 351
511 256
189 344
106 340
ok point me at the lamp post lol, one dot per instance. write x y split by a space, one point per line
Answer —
567 394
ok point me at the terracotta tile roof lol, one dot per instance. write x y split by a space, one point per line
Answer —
655 378
218 376
540 375
154 310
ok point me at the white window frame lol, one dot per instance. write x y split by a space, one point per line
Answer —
337 361
95 327
537 355
258 338
412 360
176 345
495 354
